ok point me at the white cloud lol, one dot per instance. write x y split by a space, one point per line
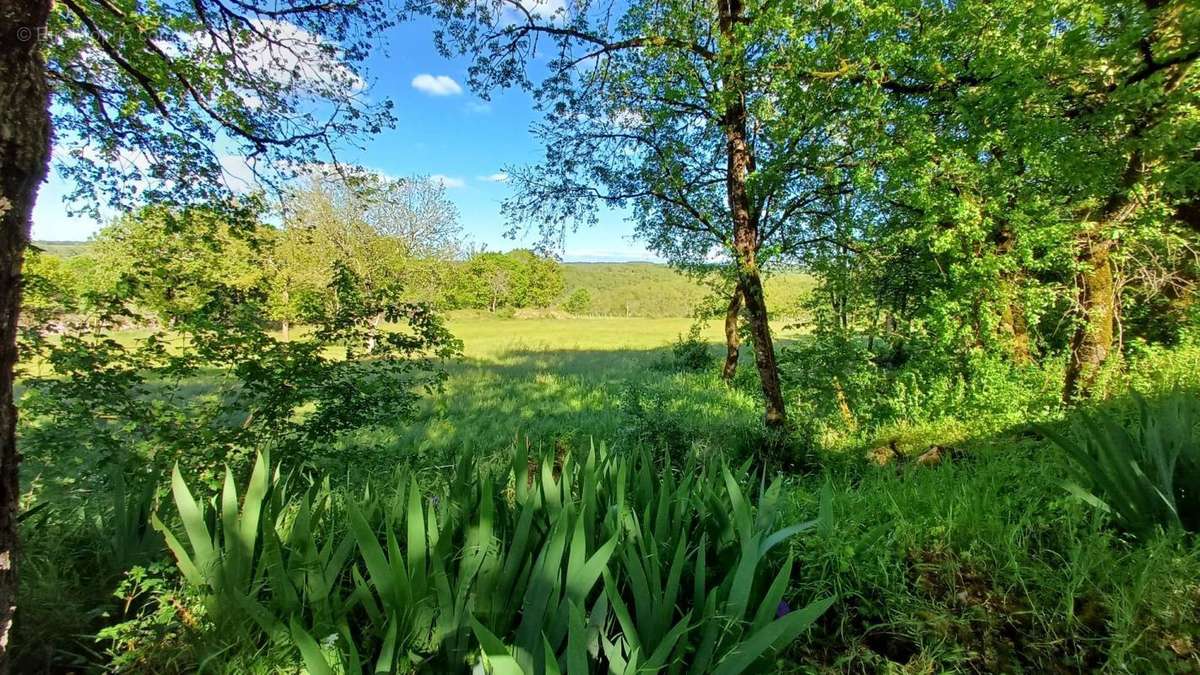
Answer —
436 85
290 55
237 173
448 182
498 177
553 11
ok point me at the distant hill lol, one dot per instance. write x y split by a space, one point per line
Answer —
64 249
650 289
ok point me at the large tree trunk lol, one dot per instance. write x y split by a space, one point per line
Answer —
24 155
733 341
1097 307
1097 299
739 163
1097 302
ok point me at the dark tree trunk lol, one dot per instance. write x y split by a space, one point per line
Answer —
1097 307
733 341
24 156
739 164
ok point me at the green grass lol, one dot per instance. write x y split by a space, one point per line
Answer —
496 340
550 382
64 249
983 563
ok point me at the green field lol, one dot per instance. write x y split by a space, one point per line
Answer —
548 380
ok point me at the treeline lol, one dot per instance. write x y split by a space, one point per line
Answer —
483 280
399 239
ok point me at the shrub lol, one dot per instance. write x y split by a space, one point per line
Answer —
579 302
690 353
601 564
1145 474
218 384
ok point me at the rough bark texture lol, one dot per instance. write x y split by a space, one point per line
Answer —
1098 304
1016 329
1093 338
1013 324
739 164
24 156
733 341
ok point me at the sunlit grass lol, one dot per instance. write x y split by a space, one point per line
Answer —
546 382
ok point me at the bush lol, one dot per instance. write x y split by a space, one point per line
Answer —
579 302
596 564
689 354
1146 474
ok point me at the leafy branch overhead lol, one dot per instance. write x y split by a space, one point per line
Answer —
175 102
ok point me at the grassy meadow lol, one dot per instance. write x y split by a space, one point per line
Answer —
548 381
653 290
977 560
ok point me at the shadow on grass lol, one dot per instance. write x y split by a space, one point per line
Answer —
555 397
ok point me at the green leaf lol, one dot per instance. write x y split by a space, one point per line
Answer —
310 651
774 635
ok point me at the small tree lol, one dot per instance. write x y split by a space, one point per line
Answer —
124 402
675 112
579 302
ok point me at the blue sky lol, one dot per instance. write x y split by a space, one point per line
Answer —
442 130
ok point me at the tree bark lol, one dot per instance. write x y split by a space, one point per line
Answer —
1098 304
1015 328
733 341
24 157
1013 323
1093 338
739 163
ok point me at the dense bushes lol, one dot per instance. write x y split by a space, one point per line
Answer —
560 563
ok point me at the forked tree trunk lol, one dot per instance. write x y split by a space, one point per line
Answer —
24 156
739 162
733 341
1097 307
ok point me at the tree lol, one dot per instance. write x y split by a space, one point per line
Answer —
145 98
1019 151
395 235
518 278
199 251
123 402
673 111
578 302
538 280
